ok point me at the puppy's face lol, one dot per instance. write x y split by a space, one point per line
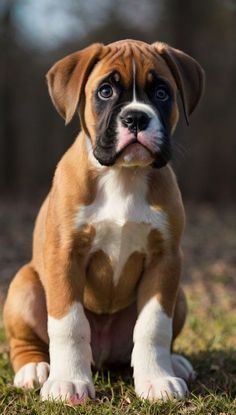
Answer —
130 107
127 93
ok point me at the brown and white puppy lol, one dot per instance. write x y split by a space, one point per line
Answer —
103 283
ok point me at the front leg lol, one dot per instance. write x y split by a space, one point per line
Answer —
70 375
70 352
154 377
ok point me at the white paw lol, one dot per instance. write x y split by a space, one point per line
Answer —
153 388
74 392
32 375
182 367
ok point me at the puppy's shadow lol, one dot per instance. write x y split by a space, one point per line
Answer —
216 374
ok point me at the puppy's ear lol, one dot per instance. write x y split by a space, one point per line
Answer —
67 78
188 74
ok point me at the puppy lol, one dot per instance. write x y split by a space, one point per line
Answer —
102 287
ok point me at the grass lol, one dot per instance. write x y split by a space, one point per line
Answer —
208 340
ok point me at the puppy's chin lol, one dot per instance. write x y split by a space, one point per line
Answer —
134 155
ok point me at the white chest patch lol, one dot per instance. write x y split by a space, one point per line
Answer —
121 216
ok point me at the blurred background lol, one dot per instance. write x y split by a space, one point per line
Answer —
34 34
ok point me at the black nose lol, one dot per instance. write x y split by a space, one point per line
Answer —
135 120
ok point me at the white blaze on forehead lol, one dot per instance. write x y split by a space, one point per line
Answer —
134 79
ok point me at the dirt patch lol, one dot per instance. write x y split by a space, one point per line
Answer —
209 246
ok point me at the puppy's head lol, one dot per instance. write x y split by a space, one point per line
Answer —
126 94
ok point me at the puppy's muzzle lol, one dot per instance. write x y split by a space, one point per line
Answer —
135 120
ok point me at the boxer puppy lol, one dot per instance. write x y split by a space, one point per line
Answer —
103 284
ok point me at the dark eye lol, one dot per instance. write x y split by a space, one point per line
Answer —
161 94
105 91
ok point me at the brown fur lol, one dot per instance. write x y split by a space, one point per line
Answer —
24 328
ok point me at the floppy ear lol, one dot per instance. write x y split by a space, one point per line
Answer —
188 74
67 78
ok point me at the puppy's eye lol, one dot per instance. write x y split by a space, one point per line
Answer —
105 91
161 94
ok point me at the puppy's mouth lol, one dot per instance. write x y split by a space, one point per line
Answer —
130 150
134 153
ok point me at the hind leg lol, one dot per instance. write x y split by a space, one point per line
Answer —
25 320
181 366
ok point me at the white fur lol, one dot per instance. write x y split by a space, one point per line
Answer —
152 339
141 106
182 367
91 157
154 377
151 137
165 387
134 79
70 356
31 375
121 216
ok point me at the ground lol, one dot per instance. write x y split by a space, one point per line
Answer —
208 339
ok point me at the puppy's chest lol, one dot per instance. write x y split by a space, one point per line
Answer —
122 220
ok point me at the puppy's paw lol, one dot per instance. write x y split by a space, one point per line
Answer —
32 375
75 392
182 367
154 388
